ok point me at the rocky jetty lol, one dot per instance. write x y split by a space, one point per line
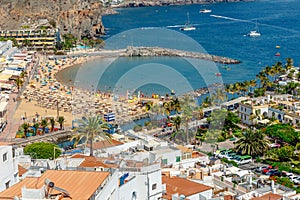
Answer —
158 51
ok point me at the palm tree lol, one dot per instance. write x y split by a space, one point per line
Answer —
219 96
252 143
19 83
44 124
25 127
176 105
298 76
291 87
36 126
92 128
289 63
52 123
187 104
252 84
176 122
23 75
168 107
148 105
61 121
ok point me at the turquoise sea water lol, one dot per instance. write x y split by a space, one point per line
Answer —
221 32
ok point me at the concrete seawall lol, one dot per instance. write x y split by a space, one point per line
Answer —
158 51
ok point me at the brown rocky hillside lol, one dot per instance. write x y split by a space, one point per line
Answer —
79 17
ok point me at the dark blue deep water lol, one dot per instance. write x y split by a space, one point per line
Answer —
221 32
278 22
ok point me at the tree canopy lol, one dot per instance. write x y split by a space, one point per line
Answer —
283 132
252 143
42 150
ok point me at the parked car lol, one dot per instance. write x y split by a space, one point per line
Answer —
260 168
272 171
287 174
276 173
274 145
216 153
230 155
224 153
233 158
296 180
264 171
243 160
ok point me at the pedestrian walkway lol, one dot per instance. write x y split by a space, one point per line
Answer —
13 122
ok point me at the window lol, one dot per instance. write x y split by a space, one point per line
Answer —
4 157
177 158
7 184
154 186
164 161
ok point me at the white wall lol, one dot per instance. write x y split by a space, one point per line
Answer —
9 168
127 189
142 184
207 194
110 189
170 155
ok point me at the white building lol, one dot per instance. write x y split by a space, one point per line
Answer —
176 188
8 166
66 184
142 181
253 109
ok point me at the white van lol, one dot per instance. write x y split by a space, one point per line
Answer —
243 160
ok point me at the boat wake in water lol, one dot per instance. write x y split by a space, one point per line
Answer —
229 18
179 25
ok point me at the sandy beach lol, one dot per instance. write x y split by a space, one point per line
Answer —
45 96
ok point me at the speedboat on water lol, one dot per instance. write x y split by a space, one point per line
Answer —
205 11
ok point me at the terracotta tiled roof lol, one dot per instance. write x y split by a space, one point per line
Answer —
21 170
100 160
5 143
105 144
182 187
80 184
184 149
269 196
228 197
90 161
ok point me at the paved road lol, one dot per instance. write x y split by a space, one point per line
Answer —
10 130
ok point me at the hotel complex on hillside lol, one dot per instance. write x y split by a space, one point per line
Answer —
33 39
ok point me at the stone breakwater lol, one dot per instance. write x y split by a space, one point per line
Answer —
158 51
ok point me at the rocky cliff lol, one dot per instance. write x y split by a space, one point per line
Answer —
142 3
79 17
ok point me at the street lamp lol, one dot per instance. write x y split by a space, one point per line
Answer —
54 154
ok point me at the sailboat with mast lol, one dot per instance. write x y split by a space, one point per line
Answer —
188 26
255 32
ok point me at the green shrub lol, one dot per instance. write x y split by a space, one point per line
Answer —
238 134
221 139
